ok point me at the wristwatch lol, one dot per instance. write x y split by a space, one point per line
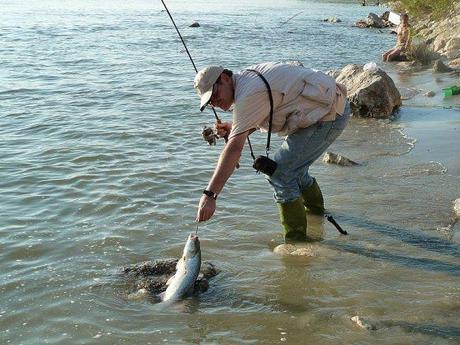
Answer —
210 194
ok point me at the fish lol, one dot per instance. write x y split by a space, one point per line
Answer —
182 283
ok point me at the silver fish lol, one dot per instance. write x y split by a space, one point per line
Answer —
187 270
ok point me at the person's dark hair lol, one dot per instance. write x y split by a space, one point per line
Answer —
227 72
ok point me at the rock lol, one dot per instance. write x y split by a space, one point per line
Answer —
139 294
385 16
372 93
374 21
440 67
371 21
361 24
455 63
332 19
430 94
408 65
408 93
284 249
195 25
333 158
457 208
300 249
363 324
150 277
294 63
452 48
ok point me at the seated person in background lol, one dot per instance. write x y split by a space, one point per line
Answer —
402 41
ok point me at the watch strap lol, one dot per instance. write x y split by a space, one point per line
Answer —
210 194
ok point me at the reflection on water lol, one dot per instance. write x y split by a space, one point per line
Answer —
103 164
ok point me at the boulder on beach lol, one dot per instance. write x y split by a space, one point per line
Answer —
371 92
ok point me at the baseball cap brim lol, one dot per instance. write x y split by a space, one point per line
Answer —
206 98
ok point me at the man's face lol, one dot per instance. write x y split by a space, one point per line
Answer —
222 95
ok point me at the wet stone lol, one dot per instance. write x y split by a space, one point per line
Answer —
334 158
152 276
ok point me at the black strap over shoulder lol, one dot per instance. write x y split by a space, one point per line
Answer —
270 96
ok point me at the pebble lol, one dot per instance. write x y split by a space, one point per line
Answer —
457 208
356 319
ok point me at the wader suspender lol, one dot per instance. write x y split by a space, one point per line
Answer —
267 149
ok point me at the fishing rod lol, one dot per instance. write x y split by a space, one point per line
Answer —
194 66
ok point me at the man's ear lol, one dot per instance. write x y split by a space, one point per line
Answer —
225 78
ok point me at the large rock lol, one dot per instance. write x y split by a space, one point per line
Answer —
440 67
374 21
371 21
371 92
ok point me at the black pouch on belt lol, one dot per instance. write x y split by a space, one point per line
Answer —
265 165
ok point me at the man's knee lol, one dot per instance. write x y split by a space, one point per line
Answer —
284 191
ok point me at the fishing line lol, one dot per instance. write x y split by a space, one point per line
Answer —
190 57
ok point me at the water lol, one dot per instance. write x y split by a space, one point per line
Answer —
102 165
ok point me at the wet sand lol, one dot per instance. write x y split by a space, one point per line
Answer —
433 123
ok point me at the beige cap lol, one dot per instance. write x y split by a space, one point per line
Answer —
204 82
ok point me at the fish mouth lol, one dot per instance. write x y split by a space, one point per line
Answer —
193 237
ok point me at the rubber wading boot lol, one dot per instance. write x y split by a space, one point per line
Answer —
313 199
294 220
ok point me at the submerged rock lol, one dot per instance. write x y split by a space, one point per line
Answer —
195 25
363 324
372 93
301 249
150 277
333 158
332 19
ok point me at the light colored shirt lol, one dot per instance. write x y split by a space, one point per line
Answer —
301 97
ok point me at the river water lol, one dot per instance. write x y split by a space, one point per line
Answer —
102 166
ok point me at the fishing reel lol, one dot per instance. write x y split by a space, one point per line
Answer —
210 135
